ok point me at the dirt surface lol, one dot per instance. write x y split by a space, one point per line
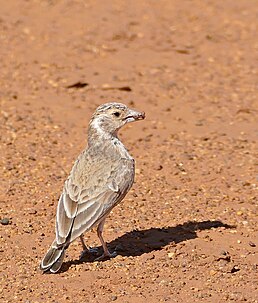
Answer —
188 230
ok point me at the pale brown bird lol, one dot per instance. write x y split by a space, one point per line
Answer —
99 180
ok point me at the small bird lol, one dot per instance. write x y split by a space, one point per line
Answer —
99 180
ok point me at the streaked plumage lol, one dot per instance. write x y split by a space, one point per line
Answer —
99 179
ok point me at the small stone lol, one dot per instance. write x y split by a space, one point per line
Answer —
159 167
171 255
113 298
105 85
252 244
235 269
32 158
5 221
32 212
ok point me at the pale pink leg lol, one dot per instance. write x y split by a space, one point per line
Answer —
85 248
106 253
86 251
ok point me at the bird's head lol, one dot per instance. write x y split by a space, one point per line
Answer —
110 117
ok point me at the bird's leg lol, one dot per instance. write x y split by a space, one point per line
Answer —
83 243
86 251
106 253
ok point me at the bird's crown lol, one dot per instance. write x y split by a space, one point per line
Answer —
111 105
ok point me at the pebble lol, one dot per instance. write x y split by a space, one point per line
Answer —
235 269
5 221
171 255
113 298
252 244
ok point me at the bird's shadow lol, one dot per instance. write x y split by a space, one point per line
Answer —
138 242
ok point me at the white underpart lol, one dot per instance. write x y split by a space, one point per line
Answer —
96 124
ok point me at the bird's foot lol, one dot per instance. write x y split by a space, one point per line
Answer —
88 252
106 256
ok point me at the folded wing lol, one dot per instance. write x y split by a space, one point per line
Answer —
86 201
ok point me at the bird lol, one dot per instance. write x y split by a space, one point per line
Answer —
99 180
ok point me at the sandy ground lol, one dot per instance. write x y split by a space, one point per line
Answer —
187 231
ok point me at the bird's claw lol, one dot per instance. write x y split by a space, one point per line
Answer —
106 256
88 252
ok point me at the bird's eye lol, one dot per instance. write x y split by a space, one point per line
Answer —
117 114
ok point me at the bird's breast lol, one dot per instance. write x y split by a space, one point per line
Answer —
119 148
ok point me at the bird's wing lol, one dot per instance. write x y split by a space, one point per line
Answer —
89 194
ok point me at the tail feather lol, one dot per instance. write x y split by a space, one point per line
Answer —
53 259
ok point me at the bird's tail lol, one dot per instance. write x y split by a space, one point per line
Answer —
53 259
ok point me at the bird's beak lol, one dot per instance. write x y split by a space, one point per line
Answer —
133 115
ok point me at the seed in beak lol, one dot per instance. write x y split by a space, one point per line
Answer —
142 115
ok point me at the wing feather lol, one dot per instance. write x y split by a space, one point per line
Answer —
84 201
63 222
70 206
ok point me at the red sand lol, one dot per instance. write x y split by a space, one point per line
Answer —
187 231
